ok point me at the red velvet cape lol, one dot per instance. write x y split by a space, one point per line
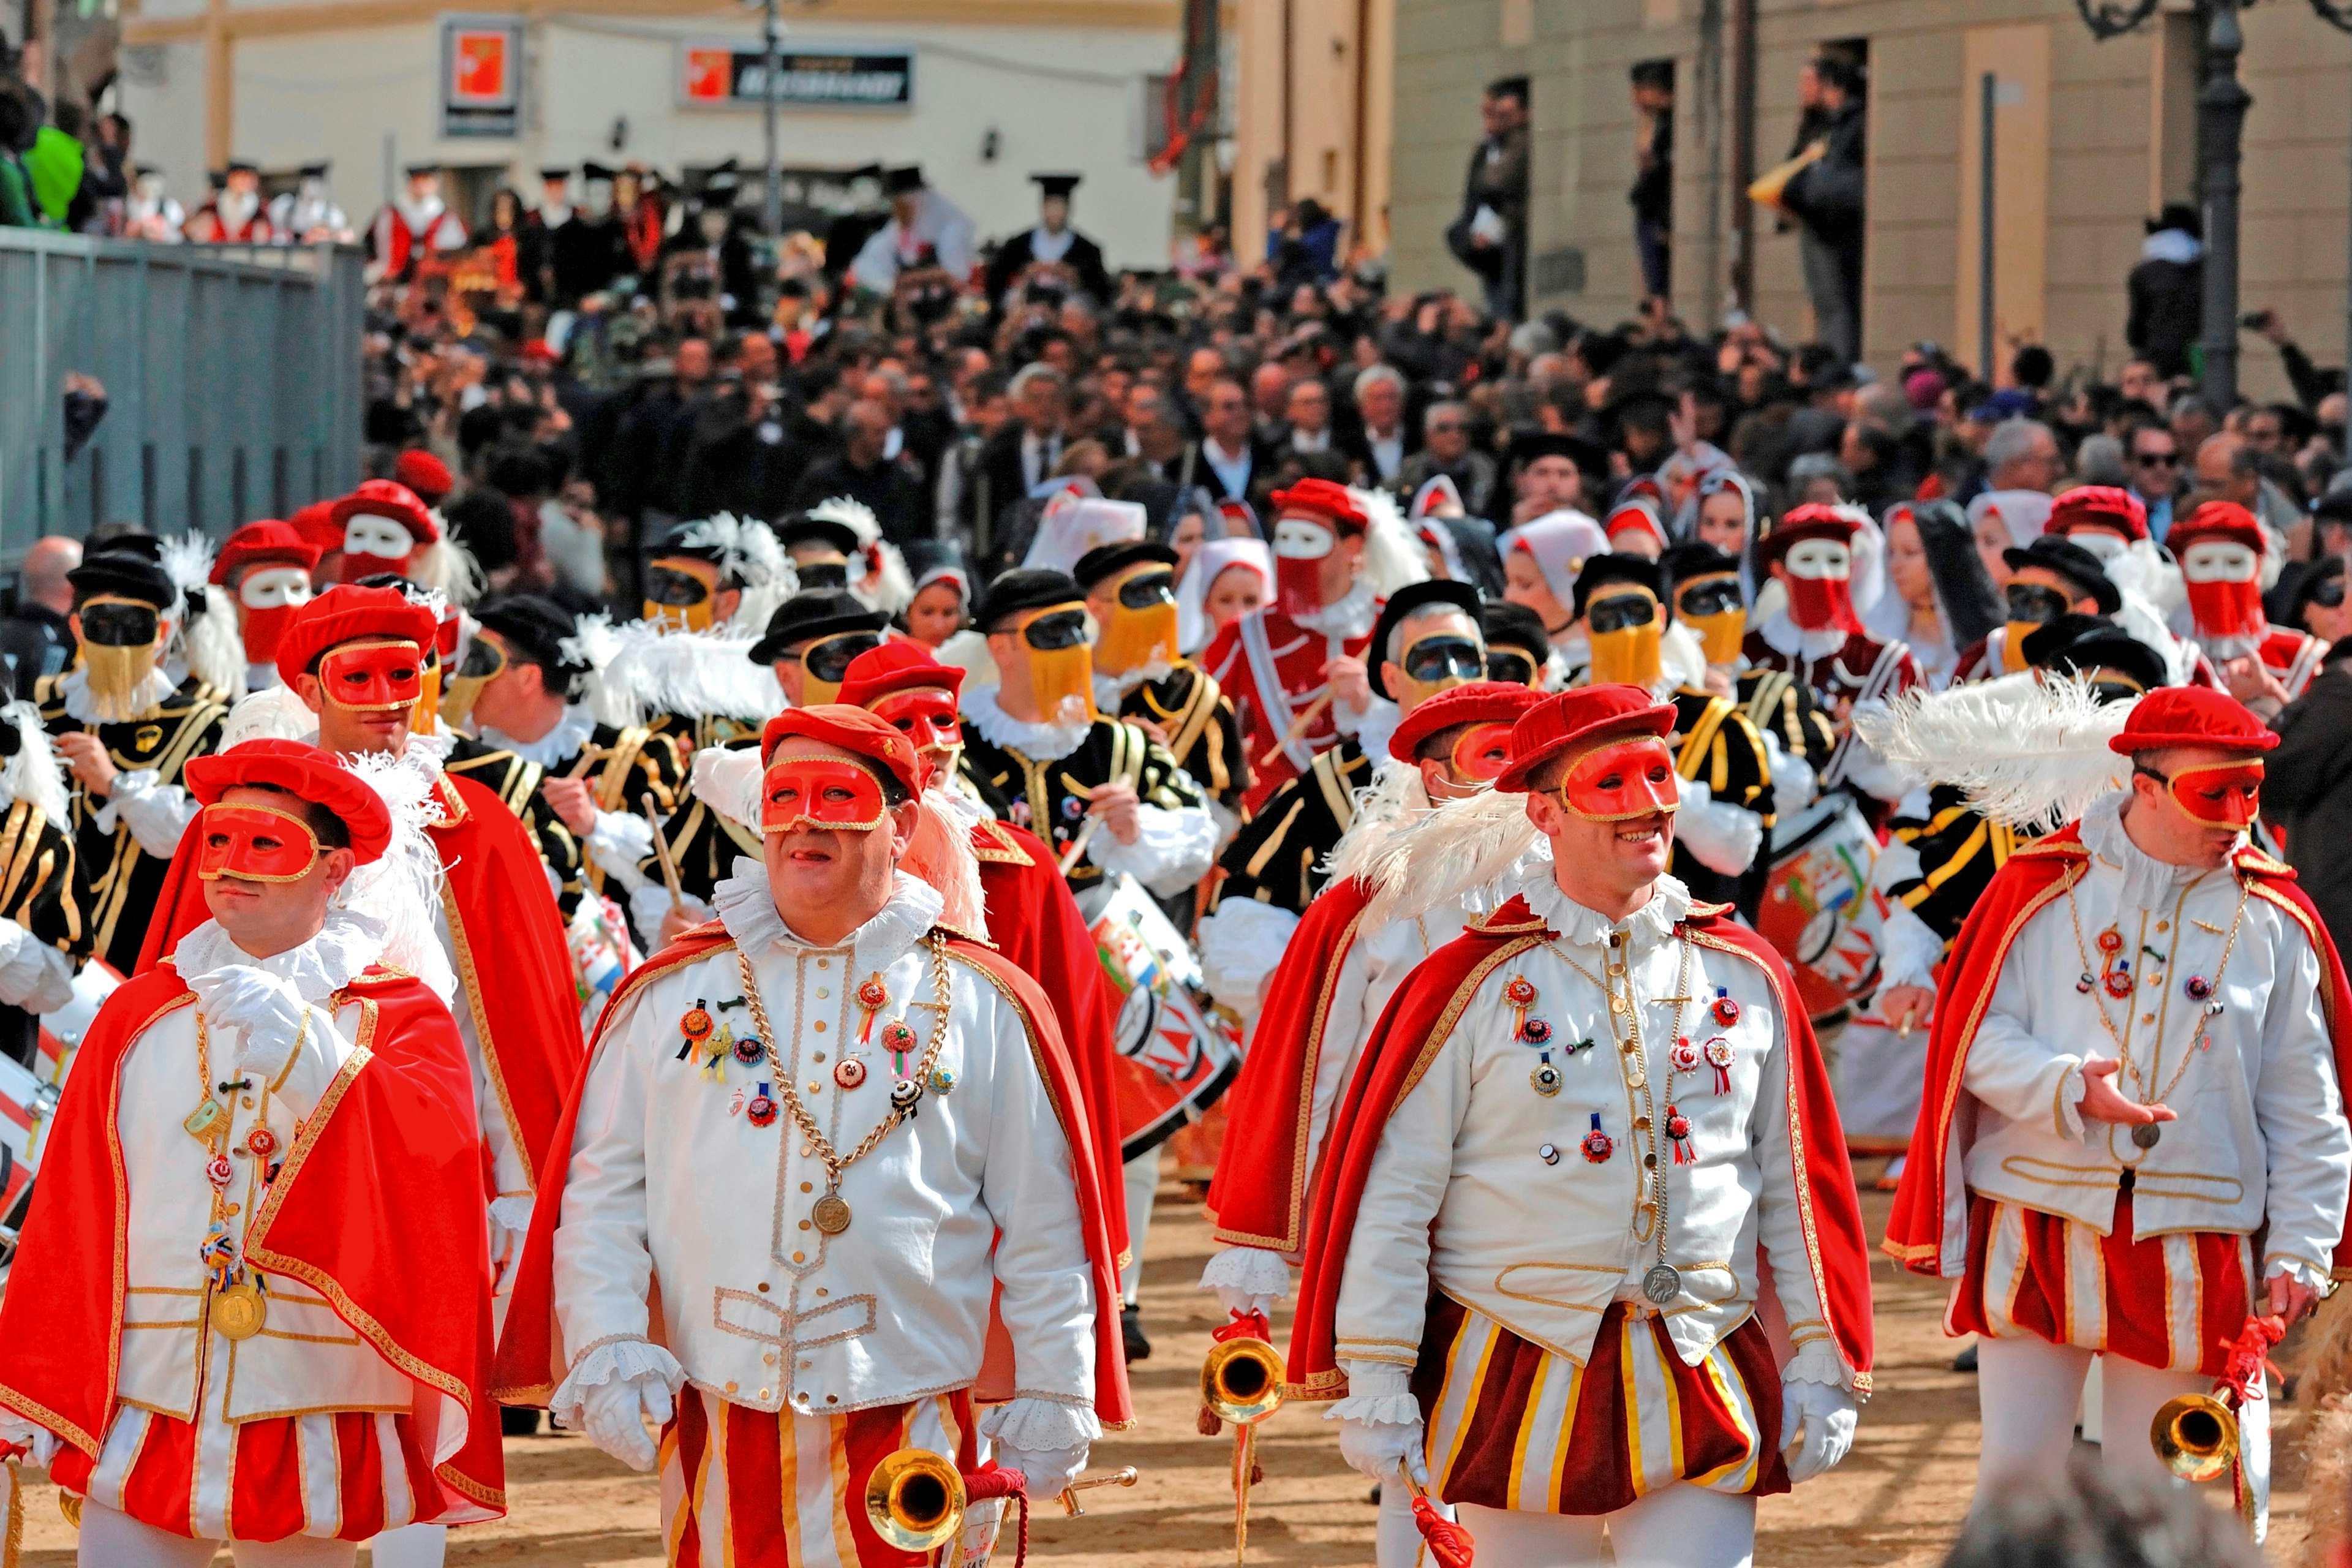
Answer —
1928 1229
379 1210
533 1360
1258 1197
1035 922
1407 1038
514 969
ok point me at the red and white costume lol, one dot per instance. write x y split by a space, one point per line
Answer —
385 527
2224 556
408 228
356 1399
2222 993
227 219
1483 1287
267 567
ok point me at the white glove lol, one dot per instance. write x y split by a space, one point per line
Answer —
1722 837
265 1008
615 1414
42 1443
1050 1470
509 1227
1827 1417
1379 1449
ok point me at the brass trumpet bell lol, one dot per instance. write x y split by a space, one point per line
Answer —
915 1501
1241 1379
2195 1437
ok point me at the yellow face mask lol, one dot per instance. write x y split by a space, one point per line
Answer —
485 662
1440 660
681 594
121 640
1712 608
1625 628
1139 625
825 664
1061 663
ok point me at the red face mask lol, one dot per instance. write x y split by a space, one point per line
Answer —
254 843
926 716
1482 753
1821 587
2219 795
1300 548
822 792
2225 591
1619 783
373 675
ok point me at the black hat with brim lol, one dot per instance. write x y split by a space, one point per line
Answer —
805 617
1025 588
2078 643
533 629
125 574
1056 184
1409 600
802 529
2055 552
1506 624
1110 559
1620 566
1684 562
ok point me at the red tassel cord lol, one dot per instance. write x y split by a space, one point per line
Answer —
994 1480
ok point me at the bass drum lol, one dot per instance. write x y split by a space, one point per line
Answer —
1818 909
1176 1060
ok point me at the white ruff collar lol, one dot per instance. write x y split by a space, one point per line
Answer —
1786 636
2147 883
747 906
1349 618
559 744
1652 925
1044 742
83 708
340 954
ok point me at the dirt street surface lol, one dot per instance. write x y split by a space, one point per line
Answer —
1897 1500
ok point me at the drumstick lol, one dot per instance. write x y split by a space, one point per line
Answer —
1298 728
661 849
1079 845
1910 1016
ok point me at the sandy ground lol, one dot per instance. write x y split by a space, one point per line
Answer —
1897 1500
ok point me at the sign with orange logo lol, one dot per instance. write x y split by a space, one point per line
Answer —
716 74
481 76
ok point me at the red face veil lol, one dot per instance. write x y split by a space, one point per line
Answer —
373 675
254 843
1622 781
822 792
927 716
1300 544
2219 795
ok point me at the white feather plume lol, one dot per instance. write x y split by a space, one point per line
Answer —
855 514
1394 556
968 651
207 643
402 887
1442 856
272 714
685 672
727 780
749 555
595 643
34 773
188 561
2028 752
447 567
1395 796
887 586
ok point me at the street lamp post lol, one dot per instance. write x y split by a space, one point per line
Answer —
772 204
2221 106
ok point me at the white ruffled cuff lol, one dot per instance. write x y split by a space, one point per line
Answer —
1250 1270
1817 1361
1240 942
1908 949
1875 775
1794 782
156 812
618 843
2308 1274
1723 838
2071 1089
612 1361
1379 1394
1040 1425
32 974
1172 849
512 1213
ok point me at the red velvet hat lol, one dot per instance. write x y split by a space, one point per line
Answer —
317 525
1578 718
852 730
2217 520
425 473
346 614
898 665
382 498
1812 520
266 542
1477 702
1325 499
303 770
2192 716
2105 506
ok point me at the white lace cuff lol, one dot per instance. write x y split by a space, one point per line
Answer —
1379 1394
156 812
1172 849
1250 1270
1041 1425
1817 1361
2308 1274
512 1214
2071 1089
619 842
612 1361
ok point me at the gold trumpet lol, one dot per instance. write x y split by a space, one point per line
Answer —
2195 1437
1242 1383
915 1499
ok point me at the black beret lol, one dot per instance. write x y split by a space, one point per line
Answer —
1024 588
126 575
1109 560
2073 644
1622 567
532 627
2055 552
1407 600
1506 624
1684 562
804 617
802 529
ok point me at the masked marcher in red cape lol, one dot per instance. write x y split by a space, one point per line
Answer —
948 1197
1551 1192
217 1329
2134 1083
267 569
2226 562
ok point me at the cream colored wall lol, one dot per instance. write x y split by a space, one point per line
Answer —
1324 83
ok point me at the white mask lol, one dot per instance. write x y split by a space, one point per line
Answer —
1820 558
273 587
1297 538
366 535
2220 561
2108 547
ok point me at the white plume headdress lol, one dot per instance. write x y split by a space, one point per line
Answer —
2029 751
34 773
749 556
1394 554
593 644
203 632
449 568
1446 854
727 780
653 671
402 887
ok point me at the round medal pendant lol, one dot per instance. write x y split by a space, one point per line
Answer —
1726 1011
1519 991
759 1111
1545 1079
1536 1032
696 1024
262 1142
1598 1146
2111 940
240 1309
942 1081
849 1072
830 1214
2148 1135
749 1049
898 1035
872 995
1662 1284
2198 988
1685 1056
1719 1053
905 1092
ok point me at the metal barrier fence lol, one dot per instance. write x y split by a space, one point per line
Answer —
231 375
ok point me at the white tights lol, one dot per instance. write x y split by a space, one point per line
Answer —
1682 1526
1143 1183
113 1539
2027 1390
411 1546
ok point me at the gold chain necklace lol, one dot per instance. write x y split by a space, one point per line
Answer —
830 1213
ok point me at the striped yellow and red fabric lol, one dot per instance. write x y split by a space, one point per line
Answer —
2172 1302
763 1488
1513 1426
